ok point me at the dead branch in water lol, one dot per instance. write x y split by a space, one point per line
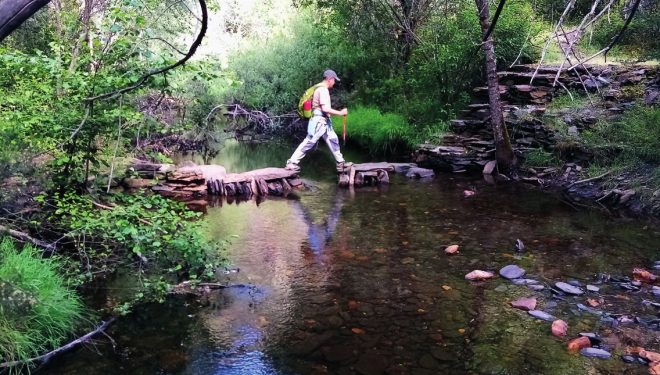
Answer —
22 236
46 357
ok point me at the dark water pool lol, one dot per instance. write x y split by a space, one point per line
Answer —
356 282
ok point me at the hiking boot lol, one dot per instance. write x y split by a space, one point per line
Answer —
341 167
292 167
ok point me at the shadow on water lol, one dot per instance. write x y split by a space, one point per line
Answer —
356 282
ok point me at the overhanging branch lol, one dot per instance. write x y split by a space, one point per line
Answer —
144 78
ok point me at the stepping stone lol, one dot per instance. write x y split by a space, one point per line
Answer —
512 272
595 353
568 288
538 314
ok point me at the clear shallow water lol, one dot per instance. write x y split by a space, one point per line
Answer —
351 282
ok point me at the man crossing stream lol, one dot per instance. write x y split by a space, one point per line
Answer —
320 125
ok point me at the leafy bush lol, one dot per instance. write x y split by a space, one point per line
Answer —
378 132
153 228
38 312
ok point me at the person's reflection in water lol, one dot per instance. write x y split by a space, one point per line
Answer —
318 234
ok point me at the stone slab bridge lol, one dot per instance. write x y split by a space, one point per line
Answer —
191 180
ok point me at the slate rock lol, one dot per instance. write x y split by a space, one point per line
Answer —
536 287
593 288
628 359
538 314
595 353
525 281
512 272
568 288
656 291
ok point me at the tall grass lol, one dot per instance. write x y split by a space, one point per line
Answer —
38 311
378 132
634 136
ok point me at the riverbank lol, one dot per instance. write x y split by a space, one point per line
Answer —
598 148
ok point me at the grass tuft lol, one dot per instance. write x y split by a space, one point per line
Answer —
38 311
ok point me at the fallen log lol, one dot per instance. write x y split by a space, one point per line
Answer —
46 357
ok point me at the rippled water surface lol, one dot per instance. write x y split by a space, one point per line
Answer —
356 282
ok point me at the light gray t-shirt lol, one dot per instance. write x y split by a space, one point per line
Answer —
321 97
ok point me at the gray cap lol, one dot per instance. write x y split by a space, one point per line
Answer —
330 74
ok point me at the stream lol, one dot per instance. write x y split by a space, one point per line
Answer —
357 282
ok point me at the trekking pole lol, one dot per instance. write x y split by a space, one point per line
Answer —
344 130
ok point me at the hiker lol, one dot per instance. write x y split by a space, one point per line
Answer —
320 125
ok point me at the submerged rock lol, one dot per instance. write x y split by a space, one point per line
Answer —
643 275
656 291
568 288
578 344
542 315
478 275
524 304
588 309
593 288
453 249
559 328
595 353
512 272
525 281
536 287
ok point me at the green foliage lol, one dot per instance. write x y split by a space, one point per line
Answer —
378 132
641 40
153 228
38 311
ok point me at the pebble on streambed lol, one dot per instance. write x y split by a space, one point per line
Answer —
512 272
595 353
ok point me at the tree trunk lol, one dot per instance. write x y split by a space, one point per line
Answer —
14 12
503 151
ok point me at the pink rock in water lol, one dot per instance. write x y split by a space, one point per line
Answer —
478 275
559 328
525 304
468 193
453 249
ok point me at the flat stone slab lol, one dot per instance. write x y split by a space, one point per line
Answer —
264 173
512 272
366 167
568 288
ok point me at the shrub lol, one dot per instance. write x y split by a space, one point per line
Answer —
153 228
38 311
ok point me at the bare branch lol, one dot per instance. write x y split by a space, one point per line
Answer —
187 57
